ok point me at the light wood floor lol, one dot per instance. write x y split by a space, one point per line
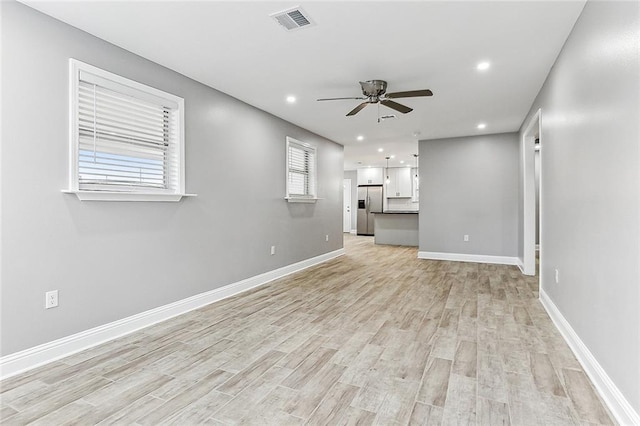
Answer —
374 337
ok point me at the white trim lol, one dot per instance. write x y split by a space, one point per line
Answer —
520 265
28 359
312 197
611 395
461 257
74 77
301 199
126 196
78 67
353 232
79 70
347 204
534 125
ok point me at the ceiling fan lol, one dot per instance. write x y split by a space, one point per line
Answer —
374 92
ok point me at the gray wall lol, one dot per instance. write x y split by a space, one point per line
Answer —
469 186
353 175
590 189
110 260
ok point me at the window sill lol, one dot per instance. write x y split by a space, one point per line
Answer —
126 196
301 200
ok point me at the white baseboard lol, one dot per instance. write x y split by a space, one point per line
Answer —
25 360
460 257
520 265
354 232
609 392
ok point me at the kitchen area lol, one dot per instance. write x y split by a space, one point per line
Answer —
387 204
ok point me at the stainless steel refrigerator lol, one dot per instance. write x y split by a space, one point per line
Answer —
369 202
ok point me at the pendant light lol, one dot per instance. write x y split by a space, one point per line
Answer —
388 181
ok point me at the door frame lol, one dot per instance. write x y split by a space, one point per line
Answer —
533 128
346 187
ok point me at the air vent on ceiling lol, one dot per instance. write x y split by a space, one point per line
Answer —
293 18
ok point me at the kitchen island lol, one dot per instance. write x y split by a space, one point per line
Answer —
398 228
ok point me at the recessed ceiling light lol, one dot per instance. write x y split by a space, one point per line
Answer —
291 99
481 126
483 66
360 137
401 161
392 156
380 149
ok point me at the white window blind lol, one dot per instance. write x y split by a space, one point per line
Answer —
127 136
301 169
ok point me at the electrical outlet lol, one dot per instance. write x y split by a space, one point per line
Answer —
557 277
51 299
466 238
326 237
273 250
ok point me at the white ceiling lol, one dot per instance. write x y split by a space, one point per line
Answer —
237 48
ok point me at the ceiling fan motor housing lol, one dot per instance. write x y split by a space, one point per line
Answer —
373 88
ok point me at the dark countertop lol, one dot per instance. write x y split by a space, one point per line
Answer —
399 212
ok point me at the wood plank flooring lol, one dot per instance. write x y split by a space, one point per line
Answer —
374 337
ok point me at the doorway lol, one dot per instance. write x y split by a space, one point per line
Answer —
346 209
536 169
532 189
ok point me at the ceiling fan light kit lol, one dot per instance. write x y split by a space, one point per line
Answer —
375 92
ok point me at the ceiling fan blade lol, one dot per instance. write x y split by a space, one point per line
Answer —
338 99
357 109
409 94
398 107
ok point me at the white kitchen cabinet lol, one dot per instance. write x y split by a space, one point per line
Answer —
399 185
371 176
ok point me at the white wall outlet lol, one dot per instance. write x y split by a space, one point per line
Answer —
273 250
326 237
557 276
466 237
51 299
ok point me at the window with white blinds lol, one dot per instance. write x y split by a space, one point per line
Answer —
301 170
126 137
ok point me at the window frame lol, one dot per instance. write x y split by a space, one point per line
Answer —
312 196
173 193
